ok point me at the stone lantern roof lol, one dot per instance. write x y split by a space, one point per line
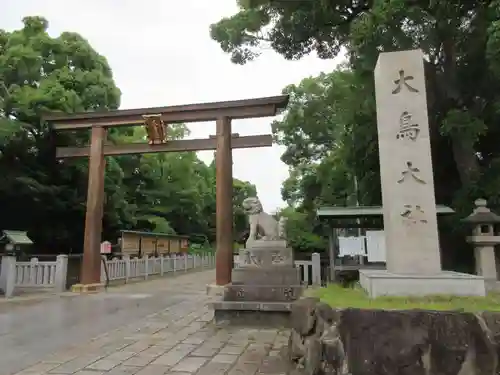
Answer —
482 214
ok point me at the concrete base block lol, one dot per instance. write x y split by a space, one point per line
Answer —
492 285
215 290
87 288
266 244
383 283
267 276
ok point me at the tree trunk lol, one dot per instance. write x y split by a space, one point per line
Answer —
466 160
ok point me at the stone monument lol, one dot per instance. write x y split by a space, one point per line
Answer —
409 206
265 283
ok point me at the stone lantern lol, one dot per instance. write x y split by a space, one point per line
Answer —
483 240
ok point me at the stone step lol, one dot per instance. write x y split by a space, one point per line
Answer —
262 293
251 306
267 276
252 314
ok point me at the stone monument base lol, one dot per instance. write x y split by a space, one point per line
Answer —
262 291
379 283
492 285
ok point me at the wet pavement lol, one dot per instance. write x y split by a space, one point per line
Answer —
152 328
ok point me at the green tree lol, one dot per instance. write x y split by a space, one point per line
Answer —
165 193
461 41
39 73
241 191
325 151
303 231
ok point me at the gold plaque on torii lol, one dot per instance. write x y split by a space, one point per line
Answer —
156 129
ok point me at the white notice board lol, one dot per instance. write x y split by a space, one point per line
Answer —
375 246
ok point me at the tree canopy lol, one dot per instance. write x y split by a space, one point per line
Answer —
330 126
167 193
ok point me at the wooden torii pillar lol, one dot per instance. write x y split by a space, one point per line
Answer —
223 142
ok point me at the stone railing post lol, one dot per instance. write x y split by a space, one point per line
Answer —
3 275
483 240
126 258
8 275
185 262
316 269
33 270
162 263
61 273
146 267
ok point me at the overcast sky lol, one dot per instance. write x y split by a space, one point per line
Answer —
161 54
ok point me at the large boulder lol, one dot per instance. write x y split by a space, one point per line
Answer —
303 315
379 342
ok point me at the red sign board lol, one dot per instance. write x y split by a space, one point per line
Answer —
106 247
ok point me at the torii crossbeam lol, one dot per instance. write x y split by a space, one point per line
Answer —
156 120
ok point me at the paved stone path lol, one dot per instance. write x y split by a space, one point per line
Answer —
160 327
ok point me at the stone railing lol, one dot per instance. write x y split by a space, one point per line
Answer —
33 274
313 277
18 276
358 342
126 269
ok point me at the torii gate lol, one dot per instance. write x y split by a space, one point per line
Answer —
155 119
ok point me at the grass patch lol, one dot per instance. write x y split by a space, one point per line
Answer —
355 297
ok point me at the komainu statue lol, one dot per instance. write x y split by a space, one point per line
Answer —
262 225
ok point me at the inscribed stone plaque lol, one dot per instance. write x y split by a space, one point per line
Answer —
409 206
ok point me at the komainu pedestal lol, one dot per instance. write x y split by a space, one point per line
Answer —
265 283
263 288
